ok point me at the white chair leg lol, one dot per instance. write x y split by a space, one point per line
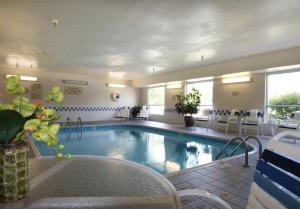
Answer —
272 130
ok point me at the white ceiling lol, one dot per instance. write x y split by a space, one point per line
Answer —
127 38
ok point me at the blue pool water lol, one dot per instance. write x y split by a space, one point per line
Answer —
164 151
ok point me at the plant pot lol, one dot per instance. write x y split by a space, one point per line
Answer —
13 171
189 121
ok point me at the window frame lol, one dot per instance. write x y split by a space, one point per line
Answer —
164 102
266 103
202 106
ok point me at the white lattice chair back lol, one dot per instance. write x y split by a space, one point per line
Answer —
233 111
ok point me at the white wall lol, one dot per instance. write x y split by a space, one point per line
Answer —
95 94
251 95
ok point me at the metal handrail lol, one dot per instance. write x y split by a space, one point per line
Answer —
235 149
69 125
79 123
259 144
231 141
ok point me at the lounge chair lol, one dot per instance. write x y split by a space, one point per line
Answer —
229 120
207 117
292 123
252 120
123 114
144 114
276 181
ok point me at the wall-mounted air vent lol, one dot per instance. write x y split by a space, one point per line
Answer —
36 91
74 82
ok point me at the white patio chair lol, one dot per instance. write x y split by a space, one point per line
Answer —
272 124
250 121
206 118
144 114
123 114
292 123
228 120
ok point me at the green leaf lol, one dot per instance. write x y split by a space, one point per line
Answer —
59 155
54 128
49 114
69 156
55 95
13 85
6 106
11 124
23 106
32 125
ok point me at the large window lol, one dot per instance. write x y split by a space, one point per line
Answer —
283 94
206 90
156 100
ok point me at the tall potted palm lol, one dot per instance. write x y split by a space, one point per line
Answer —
188 105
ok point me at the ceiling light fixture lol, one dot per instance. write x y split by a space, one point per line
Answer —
236 79
200 79
116 85
25 78
174 85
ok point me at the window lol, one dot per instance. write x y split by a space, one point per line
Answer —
283 95
206 90
156 100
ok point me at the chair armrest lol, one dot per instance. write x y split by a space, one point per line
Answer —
202 193
233 119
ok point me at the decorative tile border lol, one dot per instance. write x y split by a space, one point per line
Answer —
220 112
167 110
88 109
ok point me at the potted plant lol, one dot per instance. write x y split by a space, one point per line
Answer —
17 118
188 105
135 111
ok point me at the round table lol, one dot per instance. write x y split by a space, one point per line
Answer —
95 182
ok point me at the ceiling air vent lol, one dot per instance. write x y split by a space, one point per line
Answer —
74 82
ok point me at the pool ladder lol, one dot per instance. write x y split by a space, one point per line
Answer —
69 127
79 124
246 145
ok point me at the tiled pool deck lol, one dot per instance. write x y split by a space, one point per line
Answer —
227 178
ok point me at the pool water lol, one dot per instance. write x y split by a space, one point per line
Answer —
164 151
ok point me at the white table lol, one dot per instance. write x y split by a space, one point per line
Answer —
95 182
